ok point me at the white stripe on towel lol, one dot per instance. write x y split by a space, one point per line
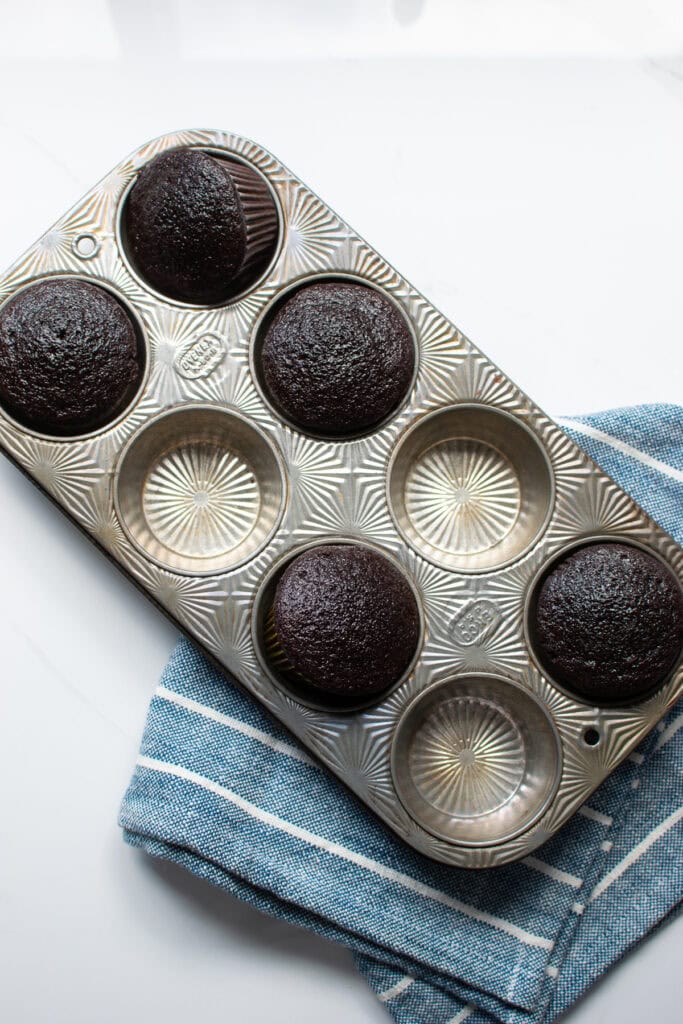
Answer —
593 815
359 859
670 731
553 872
622 446
636 853
280 746
397 989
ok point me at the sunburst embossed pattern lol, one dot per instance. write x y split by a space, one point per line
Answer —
470 487
468 758
462 496
201 500
313 232
66 472
199 489
475 759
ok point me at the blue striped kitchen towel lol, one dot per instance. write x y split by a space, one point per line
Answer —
222 790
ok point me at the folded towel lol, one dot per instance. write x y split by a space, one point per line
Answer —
224 791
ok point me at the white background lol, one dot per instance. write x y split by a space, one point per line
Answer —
522 164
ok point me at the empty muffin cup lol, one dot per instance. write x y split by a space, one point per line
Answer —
199 490
470 487
476 760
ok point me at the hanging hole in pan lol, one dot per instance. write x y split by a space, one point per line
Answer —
591 737
86 246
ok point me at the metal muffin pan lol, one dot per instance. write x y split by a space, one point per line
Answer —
201 493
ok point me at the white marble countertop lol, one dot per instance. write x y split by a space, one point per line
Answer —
522 165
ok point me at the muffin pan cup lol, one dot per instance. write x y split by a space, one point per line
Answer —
262 220
477 758
202 493
273 660
134 393
531 602
259 331
199 489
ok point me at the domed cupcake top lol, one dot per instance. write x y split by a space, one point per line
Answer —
346 619
195 225
608 622
337 358
70 360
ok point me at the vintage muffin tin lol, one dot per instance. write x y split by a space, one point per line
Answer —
202 493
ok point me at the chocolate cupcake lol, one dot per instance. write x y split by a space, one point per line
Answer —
346 620
337 358
199 228
70 359
608 622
